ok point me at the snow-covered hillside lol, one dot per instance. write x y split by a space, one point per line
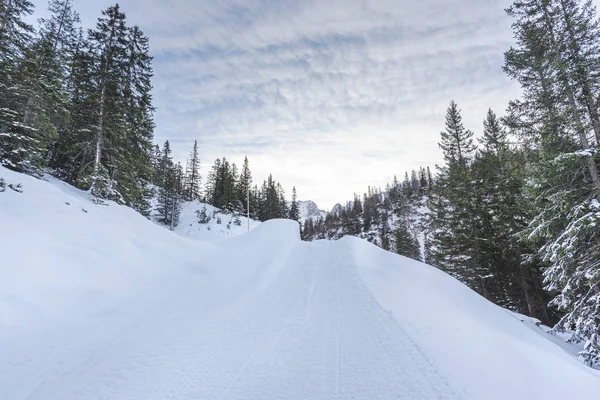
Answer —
309 209
96 302
202 221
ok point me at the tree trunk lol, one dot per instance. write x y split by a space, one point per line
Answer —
99 134
583 75
579 126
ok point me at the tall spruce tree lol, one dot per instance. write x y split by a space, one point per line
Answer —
294 209
405 242
109 47
455 226
244 186
193 178
21 147
168 202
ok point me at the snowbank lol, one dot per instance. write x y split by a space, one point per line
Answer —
482 347
98 302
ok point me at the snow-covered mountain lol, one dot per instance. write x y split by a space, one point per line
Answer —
309 209
98 302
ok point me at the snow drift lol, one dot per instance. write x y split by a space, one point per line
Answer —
97 302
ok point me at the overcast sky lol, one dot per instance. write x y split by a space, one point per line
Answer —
328 95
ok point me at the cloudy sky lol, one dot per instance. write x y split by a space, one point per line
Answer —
328 95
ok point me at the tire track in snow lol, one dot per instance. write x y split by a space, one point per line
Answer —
339 328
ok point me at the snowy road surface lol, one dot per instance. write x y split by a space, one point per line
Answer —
96 302
304 329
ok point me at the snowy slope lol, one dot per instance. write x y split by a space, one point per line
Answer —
221 225
103 304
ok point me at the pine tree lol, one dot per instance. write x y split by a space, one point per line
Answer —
452 204
21 147
168 204
457 142
555 58
133 171
109 46
244 186
405 242
193 175
56 48
294 210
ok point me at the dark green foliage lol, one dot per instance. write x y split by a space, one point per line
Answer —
294 210
556 60
203 217
169 199
192 180
378 216
229 190
406 243
81 103
221 186
271 201
21 143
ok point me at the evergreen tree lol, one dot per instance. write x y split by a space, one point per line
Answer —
452 203
56 48
193 175
457 142
109 47
294 210
555 60
405 242
21 147
168 204
244 186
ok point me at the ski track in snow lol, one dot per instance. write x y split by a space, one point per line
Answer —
305 332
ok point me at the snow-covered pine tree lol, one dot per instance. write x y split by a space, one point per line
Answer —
109 47
21 146
133 166
555 58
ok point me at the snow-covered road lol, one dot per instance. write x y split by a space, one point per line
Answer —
306 328
96 302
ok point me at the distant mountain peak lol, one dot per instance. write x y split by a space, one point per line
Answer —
309 210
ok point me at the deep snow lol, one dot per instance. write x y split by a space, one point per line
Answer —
97 302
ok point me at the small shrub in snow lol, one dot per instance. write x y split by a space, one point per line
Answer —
203 217
237 220
2 185
218 220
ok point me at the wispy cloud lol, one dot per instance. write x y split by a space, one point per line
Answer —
328 95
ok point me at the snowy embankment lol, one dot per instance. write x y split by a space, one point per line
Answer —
216 224
97 302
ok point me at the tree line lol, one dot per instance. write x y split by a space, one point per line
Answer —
389 218
78 104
